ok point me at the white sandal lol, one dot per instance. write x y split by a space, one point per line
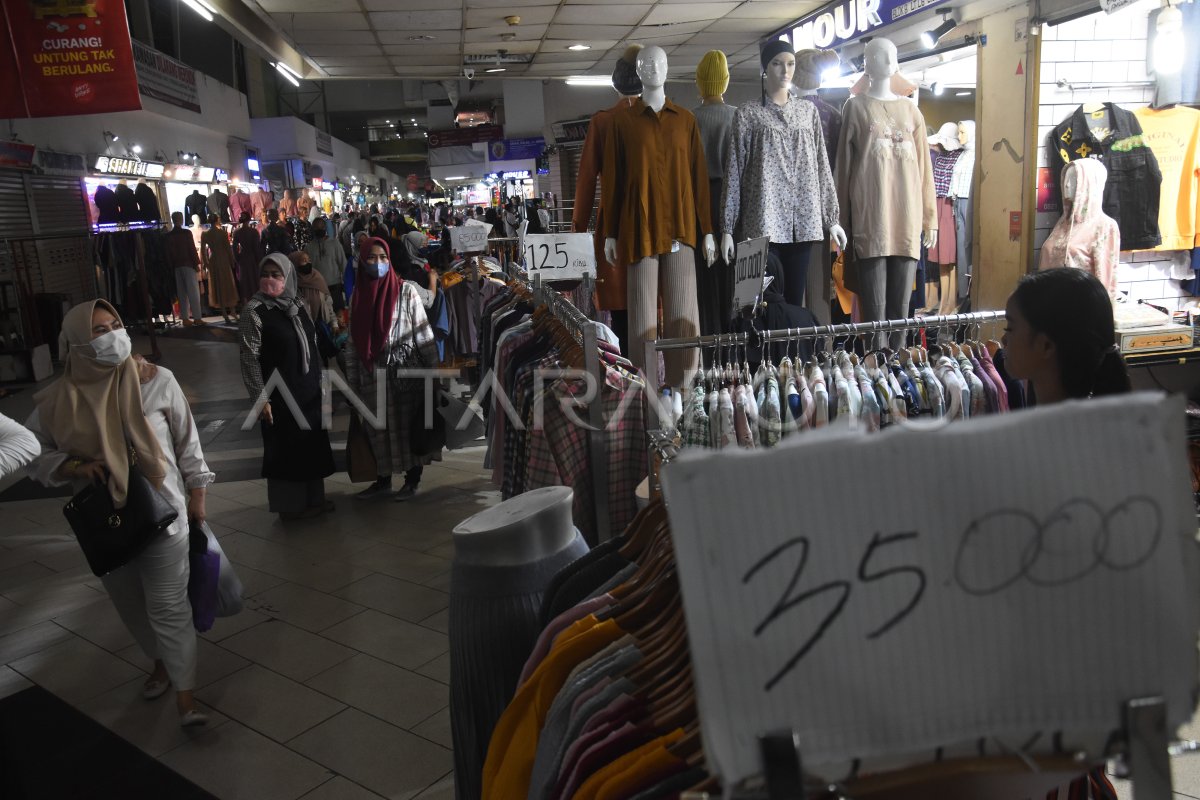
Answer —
155 689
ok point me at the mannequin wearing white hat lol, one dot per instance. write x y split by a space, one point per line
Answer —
945 152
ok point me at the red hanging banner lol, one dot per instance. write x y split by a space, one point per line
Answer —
66 57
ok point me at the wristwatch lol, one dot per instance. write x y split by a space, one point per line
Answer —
73 465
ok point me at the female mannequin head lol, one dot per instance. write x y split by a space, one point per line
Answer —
1060 336
779 72
881 59
652 67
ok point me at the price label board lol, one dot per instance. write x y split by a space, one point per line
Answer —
749 268
889 627
470 238
559 256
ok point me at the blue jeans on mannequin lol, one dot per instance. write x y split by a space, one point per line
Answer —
884 286
794 257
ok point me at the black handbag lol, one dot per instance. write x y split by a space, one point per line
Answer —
112 537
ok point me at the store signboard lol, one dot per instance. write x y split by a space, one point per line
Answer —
324 143
750 267
129 166
843 21
65 59
517 149
559 256
460 137
163 78
192 173
1047 192
16 154
571 131
515 175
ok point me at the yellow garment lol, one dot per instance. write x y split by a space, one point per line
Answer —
94 411
639 767
511 751
1174 137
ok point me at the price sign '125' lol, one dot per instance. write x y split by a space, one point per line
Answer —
559 256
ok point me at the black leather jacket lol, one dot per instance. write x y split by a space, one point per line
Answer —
1131 193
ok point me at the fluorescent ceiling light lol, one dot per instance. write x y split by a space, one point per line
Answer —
962 94
580 47
288 73
455 178
201 8
589 80
495 69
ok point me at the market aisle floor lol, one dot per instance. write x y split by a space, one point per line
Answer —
332 683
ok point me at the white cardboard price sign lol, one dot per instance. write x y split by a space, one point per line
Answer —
749 267
470 238
559 256
1051 579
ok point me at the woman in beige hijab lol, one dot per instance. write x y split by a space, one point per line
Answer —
87 421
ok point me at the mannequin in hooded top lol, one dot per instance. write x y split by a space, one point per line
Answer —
714 286
127 207
611 285
218 203
109 210
964 219
885 185
654 212
1085 237
778 180
810 66
147 202
195 205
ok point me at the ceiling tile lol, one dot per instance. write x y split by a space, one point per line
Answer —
360 72
441 60
506 4
647 31
335 37
395 5
320 51
585 33
301 6
419 49
599 47
665 41
692 12
427 71
728 41
769 9
494 17
414 21
524 33
608 14
755 26
487 48
321 22
354 61
586 57
441 38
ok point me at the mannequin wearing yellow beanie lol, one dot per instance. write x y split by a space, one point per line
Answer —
714 285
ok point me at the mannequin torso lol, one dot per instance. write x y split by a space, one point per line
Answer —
521 530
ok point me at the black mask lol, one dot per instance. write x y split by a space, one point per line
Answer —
305 269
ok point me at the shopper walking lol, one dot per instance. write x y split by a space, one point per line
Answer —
247 250
388 325
216 254
89 422
275 238
328 259
278 343
181 254
312 290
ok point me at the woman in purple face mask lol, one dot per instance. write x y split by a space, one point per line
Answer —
279 354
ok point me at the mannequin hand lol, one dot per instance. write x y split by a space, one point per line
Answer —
727 248
610 251
930 239
710 250
838 236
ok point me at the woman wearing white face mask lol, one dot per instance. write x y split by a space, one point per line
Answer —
87 421
387 322
279 344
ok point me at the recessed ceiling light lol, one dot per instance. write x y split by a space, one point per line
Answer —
495 69
962 94
580 47
412 119
386 121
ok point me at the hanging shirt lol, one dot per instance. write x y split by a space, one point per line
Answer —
1174 136
884 177
653 176
943 171
778 182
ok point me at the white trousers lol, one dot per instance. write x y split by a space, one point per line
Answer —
671 276
150 595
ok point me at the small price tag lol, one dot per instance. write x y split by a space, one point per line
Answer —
470 238
559 256
749 267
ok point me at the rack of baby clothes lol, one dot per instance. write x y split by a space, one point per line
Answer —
605 706
756 389
565 406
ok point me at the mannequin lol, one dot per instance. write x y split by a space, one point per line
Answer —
610 279
810 66
945 151
109 210
195 205
147 202
885 185
127 207
714 286
654 135
1084 237
778 180
218 203
504 560
964 219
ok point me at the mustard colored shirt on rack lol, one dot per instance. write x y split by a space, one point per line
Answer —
513 746
655 181
885 177
1174 137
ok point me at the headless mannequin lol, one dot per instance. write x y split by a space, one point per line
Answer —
652 69
777 85
523 529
